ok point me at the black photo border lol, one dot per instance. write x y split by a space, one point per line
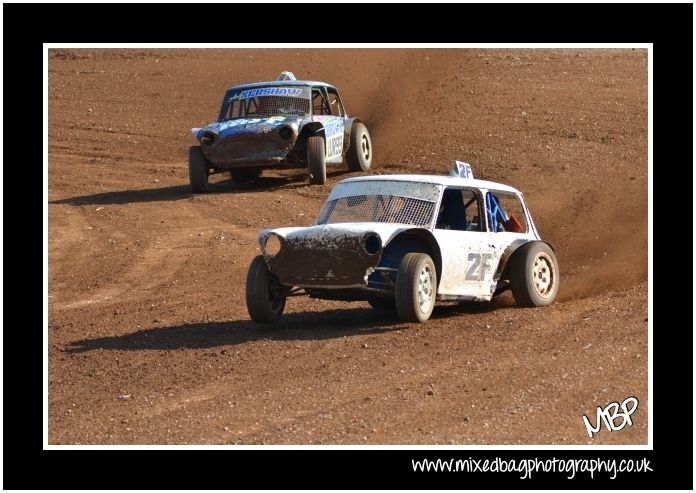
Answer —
28 26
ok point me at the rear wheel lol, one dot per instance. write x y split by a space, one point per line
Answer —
265 296
316 160
198 170
534 274
359 154
416 287
243 175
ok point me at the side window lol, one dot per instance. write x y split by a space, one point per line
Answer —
505 213
319 104
335 103
459 210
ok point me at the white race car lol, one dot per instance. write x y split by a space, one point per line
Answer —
401 242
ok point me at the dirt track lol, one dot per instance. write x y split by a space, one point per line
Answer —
149 339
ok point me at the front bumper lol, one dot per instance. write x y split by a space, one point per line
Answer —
330 261
248 150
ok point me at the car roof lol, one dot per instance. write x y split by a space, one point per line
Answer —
277 83
445 180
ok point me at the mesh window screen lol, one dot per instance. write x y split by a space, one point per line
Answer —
265 106
379 209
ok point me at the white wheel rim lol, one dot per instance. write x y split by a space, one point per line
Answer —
425 289
543 275
365 146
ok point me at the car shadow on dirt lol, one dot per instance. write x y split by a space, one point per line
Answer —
161 194
444 311
293 326
179 192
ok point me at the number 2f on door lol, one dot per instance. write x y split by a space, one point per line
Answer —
479 266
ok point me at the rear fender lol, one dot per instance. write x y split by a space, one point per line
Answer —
347 127
501 272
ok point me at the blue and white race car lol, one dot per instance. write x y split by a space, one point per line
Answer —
286 123
401 242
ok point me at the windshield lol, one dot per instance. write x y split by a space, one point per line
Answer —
381 202
265 102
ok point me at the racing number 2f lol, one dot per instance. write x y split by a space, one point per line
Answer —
479 266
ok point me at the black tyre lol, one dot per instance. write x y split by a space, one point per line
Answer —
265 297
359 154
243 175
534 274
316 160
198 170
416 287
382 304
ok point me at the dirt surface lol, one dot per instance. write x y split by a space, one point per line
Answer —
149 340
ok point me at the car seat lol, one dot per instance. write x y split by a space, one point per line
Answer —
513 225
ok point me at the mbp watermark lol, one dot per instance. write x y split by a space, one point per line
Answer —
609 415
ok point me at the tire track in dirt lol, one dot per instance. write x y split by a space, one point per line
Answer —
160 258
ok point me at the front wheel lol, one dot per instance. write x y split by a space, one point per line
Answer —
416 287
534 274
198 170
359 154
265 296
316 160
